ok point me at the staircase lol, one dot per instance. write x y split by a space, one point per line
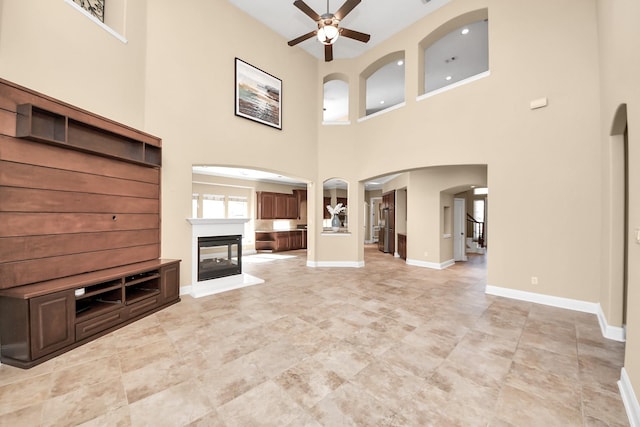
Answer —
477 245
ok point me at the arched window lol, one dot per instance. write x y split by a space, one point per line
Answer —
335 106
384 83
456 52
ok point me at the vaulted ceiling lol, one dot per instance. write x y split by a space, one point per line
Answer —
379 18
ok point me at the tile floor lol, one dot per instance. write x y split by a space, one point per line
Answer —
384 345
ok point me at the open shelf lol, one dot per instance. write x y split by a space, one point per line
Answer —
41 125
99 288
98 304
141 278
138 294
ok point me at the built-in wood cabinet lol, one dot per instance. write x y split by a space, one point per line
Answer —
42 125
402 246
277 205
266 205
79 227
277 241
50 323
44 319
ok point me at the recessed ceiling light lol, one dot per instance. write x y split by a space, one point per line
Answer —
465 31
400 63
381 102
447 78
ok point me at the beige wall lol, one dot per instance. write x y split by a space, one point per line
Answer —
619 71
50 47
190 98
428 190
551 168
527 151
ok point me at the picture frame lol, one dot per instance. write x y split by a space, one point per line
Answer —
94 7
258 95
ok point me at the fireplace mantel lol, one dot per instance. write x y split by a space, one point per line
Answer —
205 227
219 221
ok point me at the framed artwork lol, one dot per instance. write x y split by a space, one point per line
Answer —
94 7
258 95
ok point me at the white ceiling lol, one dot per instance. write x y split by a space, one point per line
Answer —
379 18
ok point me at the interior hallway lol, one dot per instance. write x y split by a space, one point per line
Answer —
387 344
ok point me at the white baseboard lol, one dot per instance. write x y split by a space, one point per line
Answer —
570 304
629 399
610 332
615 333
341 264
432 265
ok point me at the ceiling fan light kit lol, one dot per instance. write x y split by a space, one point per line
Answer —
328 30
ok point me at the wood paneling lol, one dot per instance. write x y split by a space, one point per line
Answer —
34 153
68 203
12 95
30 176
37 270
15 199
33 224
43 246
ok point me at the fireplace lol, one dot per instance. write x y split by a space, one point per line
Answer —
219 256
214 256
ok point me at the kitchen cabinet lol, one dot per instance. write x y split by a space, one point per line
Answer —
276 205
277 241
402 246
266 205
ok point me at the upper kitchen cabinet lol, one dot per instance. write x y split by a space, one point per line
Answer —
276 205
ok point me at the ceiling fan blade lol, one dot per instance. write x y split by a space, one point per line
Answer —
328 53
356 35
346 8
306 9
302 38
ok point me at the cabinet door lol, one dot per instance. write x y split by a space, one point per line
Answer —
51 318
281 206
295 240
402 246
282 241
266 205
170 285
292 207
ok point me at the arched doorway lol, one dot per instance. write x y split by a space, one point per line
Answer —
619 217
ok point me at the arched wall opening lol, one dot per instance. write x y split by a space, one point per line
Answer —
335 105
385 77
614 294
427 191
438 34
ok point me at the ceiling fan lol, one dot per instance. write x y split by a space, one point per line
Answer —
328 30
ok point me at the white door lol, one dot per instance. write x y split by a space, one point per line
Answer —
459 237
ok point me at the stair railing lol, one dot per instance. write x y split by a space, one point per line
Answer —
478 229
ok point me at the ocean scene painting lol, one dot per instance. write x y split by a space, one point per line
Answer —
258 95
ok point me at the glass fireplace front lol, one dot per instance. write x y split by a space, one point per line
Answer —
219 256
